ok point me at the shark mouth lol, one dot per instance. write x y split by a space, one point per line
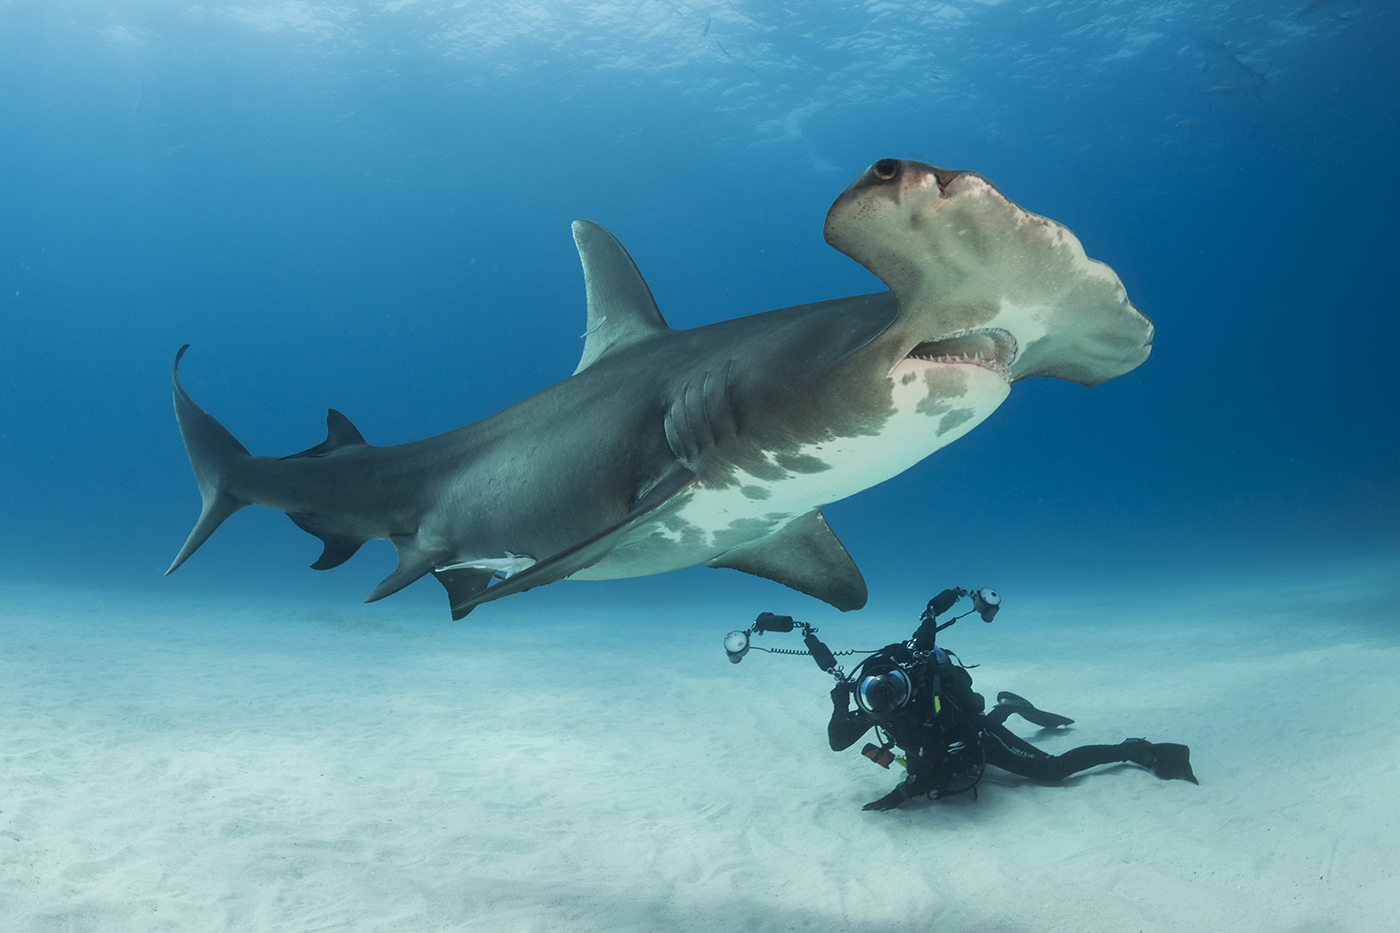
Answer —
992 348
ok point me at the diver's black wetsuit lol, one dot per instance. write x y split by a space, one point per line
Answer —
948 738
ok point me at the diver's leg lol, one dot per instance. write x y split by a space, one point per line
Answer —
1011 753
998 714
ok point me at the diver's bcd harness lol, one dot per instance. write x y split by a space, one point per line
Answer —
914 693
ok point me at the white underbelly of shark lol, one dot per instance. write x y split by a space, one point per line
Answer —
933 405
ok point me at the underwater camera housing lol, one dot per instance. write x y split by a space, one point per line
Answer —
883 688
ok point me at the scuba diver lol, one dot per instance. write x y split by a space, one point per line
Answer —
918 699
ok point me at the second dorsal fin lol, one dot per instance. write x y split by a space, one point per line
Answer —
339 433
621 309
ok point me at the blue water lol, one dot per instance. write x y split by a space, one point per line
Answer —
367 207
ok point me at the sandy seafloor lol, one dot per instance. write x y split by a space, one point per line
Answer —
179 763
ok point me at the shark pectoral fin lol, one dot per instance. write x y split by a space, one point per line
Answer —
414 562
806 556
587 552
616 292
462 585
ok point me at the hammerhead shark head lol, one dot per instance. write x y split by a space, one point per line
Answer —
717 445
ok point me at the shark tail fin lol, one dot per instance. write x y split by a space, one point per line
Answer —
621 309
213 451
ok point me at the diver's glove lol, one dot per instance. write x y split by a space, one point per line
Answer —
891 800
1168 761
841 697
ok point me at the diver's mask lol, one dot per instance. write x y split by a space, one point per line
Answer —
882 690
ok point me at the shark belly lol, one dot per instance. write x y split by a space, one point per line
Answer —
932 405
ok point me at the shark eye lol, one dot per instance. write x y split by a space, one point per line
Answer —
886 169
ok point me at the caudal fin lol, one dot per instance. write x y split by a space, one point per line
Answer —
213 453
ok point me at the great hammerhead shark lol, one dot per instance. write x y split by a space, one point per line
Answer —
717 445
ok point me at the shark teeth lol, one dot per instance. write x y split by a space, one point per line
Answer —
991 348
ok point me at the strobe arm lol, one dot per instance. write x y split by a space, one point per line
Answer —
820 652
736 643
929 628
943 602
767 622
985 602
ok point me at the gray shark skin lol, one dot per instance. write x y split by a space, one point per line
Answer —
717 445
1320 10
1229 61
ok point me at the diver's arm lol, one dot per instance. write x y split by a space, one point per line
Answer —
916 785
891 800
920 781
845 726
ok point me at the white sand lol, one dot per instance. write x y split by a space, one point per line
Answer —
190 766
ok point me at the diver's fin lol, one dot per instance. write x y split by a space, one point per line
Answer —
587 552
1173 762
414 561
214 454
621 309
806 556
1169 761
339 433
1027 711
462 585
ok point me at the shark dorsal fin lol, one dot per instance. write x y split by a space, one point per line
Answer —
339 433
621 310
